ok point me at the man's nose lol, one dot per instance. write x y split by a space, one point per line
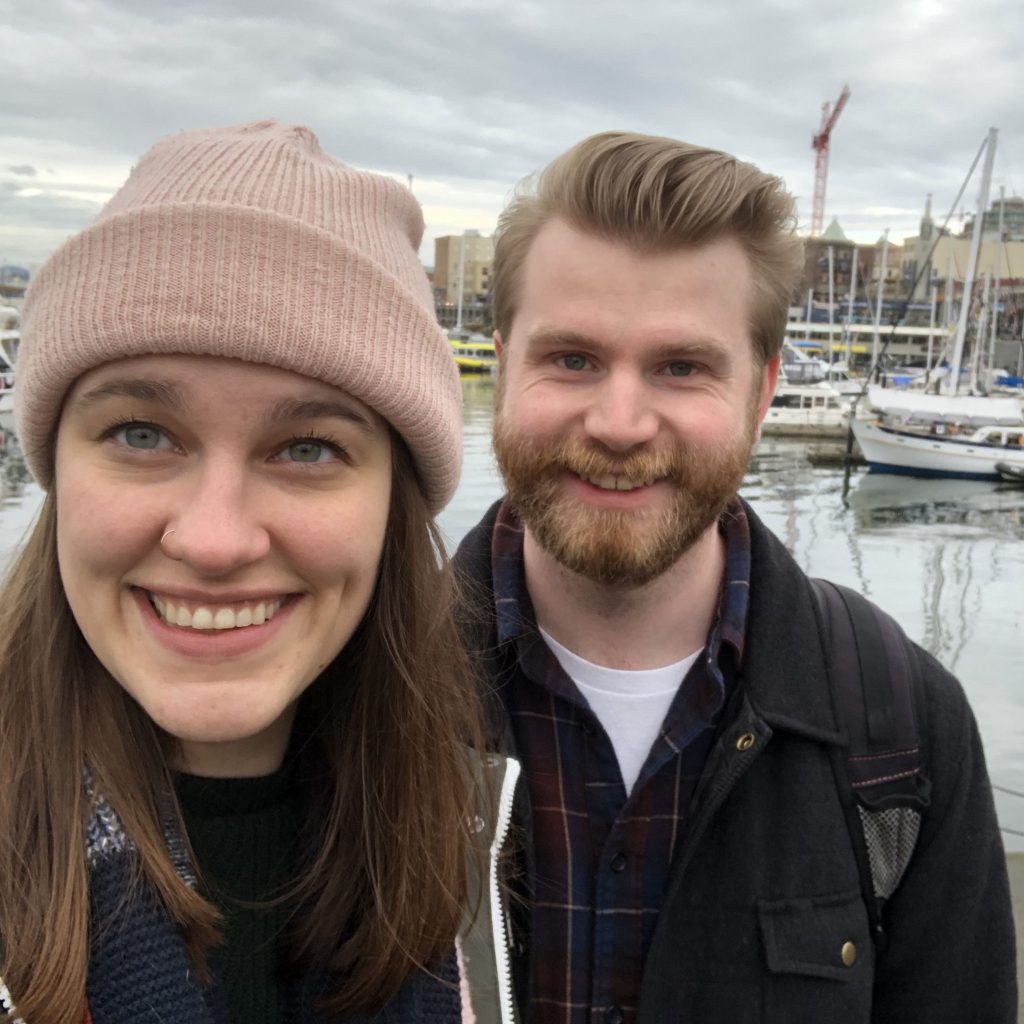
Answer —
621 415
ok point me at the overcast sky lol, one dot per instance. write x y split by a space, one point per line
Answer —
468 96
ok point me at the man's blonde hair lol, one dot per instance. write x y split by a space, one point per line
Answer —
658 194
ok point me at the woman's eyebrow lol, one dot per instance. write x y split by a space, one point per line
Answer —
142 388
298 408
165 393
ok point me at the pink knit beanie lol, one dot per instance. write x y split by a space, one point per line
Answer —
250 242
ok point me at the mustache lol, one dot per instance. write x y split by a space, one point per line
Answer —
590 461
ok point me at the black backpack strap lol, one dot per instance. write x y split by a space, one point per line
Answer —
876 681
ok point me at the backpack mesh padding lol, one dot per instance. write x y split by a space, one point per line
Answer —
890 836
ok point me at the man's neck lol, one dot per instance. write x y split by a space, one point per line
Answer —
624 627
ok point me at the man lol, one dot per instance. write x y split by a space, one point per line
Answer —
652 650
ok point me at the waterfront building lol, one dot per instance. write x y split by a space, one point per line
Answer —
13 281
1012 220
844 252
466 259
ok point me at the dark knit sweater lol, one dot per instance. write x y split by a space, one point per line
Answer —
241 831
138 969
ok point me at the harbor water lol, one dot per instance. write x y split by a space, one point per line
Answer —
944 557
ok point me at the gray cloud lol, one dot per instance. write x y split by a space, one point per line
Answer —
474 94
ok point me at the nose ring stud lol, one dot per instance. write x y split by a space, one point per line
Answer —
167 534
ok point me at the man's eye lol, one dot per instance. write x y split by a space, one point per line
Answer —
679 369
574 361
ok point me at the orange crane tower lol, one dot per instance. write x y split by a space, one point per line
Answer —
820 144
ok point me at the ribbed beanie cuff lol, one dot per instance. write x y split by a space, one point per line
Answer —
250 243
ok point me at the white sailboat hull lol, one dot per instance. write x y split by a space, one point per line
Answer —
896 452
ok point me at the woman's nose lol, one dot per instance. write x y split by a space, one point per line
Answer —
217 526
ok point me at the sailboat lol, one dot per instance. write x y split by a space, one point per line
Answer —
954 433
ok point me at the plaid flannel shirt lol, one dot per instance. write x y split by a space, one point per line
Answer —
602 861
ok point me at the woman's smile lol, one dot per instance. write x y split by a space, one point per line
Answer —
214 614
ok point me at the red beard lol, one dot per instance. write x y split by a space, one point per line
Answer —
618 547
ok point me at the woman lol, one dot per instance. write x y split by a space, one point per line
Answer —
234 723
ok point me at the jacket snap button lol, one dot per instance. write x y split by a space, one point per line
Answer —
613 1015
618 862
848 954
745 742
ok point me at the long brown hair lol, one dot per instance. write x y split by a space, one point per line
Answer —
393 719
658 194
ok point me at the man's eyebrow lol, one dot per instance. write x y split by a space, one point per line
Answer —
316 408
145 389
556 336
690 348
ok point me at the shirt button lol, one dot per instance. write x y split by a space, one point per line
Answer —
618 864
613 1015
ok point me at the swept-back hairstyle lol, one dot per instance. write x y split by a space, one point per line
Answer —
658 194
387 729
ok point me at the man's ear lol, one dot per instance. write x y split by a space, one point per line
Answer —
497 343
769 378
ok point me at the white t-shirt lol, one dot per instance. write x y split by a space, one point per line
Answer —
631 706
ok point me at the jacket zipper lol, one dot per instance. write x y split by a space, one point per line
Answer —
499 921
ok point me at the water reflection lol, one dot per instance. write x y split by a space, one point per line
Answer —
20 496
885 499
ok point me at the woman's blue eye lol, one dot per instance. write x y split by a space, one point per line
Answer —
308 451
142 435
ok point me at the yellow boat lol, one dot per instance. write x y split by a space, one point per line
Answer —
474 354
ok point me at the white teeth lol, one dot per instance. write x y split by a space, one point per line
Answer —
202 618
215 618
224 619
610 482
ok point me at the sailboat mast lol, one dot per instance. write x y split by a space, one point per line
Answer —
972 261
877 341
849 308
998 282
831 307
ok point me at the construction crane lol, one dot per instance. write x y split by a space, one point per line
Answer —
820 143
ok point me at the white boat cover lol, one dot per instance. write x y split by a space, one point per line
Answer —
980 409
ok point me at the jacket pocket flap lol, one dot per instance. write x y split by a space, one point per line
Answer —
818 936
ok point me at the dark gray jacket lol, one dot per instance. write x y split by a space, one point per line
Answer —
764 892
